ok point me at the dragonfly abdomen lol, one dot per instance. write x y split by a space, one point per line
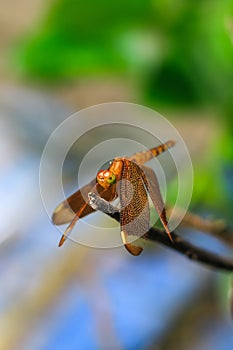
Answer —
145 156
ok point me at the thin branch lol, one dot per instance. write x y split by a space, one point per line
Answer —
156 235
216 228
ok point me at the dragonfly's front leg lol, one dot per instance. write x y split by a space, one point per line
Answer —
101 204
98 203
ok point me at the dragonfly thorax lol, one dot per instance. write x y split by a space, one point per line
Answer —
105 178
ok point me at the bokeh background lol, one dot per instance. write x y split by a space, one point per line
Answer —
57 57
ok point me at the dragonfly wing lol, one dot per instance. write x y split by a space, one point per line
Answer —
65 211
132 248
152 185
135 215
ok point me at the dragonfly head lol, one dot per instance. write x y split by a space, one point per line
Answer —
105 178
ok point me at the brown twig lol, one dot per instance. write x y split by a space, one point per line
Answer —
216 228
156 235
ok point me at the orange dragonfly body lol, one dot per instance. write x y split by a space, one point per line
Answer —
130 180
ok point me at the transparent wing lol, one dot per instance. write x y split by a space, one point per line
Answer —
134 215
65 211
152 186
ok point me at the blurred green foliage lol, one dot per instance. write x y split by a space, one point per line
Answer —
178 53
83 38
182 51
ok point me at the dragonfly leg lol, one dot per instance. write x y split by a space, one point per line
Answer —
71 226
98 203
101 204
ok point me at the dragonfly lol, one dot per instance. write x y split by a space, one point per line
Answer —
128 179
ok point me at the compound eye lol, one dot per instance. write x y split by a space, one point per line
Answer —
111 179
105 176
101 175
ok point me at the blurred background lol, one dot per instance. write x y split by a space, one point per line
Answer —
57 57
